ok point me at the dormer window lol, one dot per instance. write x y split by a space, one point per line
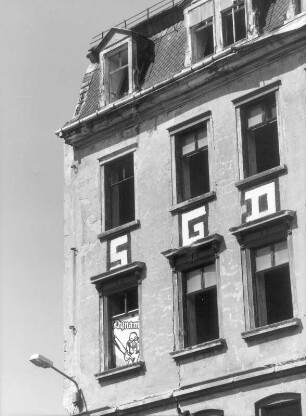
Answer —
234 23
118 73
201 24
204 39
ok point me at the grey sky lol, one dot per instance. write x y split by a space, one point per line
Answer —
44 44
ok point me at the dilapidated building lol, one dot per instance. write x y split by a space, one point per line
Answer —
185 214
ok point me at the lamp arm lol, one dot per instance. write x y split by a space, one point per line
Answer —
65 375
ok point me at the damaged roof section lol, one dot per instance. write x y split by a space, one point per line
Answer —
158 47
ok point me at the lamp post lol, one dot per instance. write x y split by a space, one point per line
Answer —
43 362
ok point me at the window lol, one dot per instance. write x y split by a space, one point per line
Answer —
233 23
121 323
201 23
271 280
118 73
260 135
192 162
267 273
273 13
200 305
284 404
119 192
203 39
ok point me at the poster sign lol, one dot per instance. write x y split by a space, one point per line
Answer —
126 347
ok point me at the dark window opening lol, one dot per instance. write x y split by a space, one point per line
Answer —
118 75
201 307
272 13
282 409
119 192
272 286
192 164
233 24
260 138
204 39
123 323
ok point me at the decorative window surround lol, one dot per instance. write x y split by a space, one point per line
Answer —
179 257
122 229
113 286
261 177
265 237
197 271
128 370
268 330
259 115
206 347
201 129
192 203
278 217
132 268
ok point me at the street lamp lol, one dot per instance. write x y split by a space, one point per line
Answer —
41 361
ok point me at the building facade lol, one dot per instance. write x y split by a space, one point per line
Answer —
185 216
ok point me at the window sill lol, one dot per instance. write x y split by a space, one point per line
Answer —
190 203
267 330
208 346
113 232
127 370
261 177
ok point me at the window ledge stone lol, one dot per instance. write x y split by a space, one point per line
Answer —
113 232
127 370
190 203
198 349
267 330
261 177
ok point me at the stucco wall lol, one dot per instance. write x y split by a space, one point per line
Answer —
159 232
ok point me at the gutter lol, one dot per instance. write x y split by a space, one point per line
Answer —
122 103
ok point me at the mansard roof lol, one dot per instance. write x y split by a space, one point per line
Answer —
167 32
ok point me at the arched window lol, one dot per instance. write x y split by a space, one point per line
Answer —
284 404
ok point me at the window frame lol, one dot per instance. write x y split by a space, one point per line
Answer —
107 284
194 33
245 101
250 241
202 253
107 358
192 49
256 284
231 10
183 303
128 43
104 161
175 133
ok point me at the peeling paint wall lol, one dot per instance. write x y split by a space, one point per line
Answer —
159 232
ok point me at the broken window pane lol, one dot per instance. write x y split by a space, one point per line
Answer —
118 74
233 24
204 39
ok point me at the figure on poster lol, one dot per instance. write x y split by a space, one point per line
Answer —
131 351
